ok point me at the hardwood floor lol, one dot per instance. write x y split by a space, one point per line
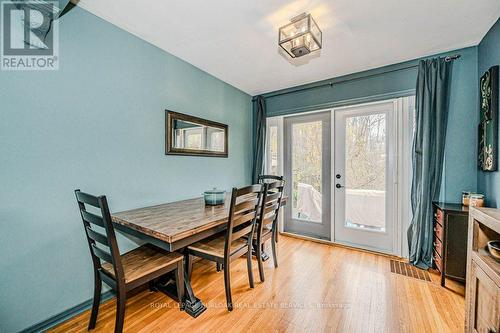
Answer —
316 288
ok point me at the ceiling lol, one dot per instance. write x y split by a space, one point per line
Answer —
236 40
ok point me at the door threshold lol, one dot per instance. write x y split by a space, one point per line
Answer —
327 242
314 239
367 249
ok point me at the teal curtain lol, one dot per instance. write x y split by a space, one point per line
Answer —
260 139
432 102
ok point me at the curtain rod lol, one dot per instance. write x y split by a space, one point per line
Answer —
331 83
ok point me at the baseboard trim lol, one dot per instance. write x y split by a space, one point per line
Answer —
65 315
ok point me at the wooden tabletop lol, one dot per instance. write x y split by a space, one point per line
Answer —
176 220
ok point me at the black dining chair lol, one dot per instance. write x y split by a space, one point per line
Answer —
269 178
235 241
121 272
267 222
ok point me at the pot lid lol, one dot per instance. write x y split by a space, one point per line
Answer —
214 191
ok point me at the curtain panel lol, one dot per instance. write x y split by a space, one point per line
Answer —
432 103
260 139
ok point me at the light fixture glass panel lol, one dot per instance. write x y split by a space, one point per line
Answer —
294 29
311 42
316 33
287 46
298 41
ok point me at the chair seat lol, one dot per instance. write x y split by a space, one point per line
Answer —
214 246
143 261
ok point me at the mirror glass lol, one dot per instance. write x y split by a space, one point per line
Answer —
188 135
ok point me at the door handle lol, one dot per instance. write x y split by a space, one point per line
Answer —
339 186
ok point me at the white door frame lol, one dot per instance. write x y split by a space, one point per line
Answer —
405 116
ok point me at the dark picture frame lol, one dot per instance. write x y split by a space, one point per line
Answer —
488 120
170 149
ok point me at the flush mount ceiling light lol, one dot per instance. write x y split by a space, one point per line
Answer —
300 37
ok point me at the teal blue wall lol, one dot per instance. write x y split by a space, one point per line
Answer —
460 170
96 124
489 55
399 80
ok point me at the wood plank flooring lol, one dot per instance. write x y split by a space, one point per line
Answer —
316 288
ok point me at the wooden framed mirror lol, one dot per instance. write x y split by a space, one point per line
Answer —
193 136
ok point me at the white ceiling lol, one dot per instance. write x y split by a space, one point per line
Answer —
236 40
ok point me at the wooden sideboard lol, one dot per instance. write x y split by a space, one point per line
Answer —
482 313
450 240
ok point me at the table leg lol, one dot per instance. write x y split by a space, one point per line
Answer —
191 304
263 254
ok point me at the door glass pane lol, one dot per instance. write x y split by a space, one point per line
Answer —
306 171
272 150
365 168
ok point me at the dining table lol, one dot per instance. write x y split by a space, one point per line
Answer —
174 226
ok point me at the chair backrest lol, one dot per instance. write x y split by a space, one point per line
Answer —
242 214
269 178
271 203
103 246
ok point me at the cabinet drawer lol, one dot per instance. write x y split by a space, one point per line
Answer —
438 246
439 216
438 262
438 231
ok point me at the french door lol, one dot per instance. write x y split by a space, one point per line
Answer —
307 160
365 162
347 172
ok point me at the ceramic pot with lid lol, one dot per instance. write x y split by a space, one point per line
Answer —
214 197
